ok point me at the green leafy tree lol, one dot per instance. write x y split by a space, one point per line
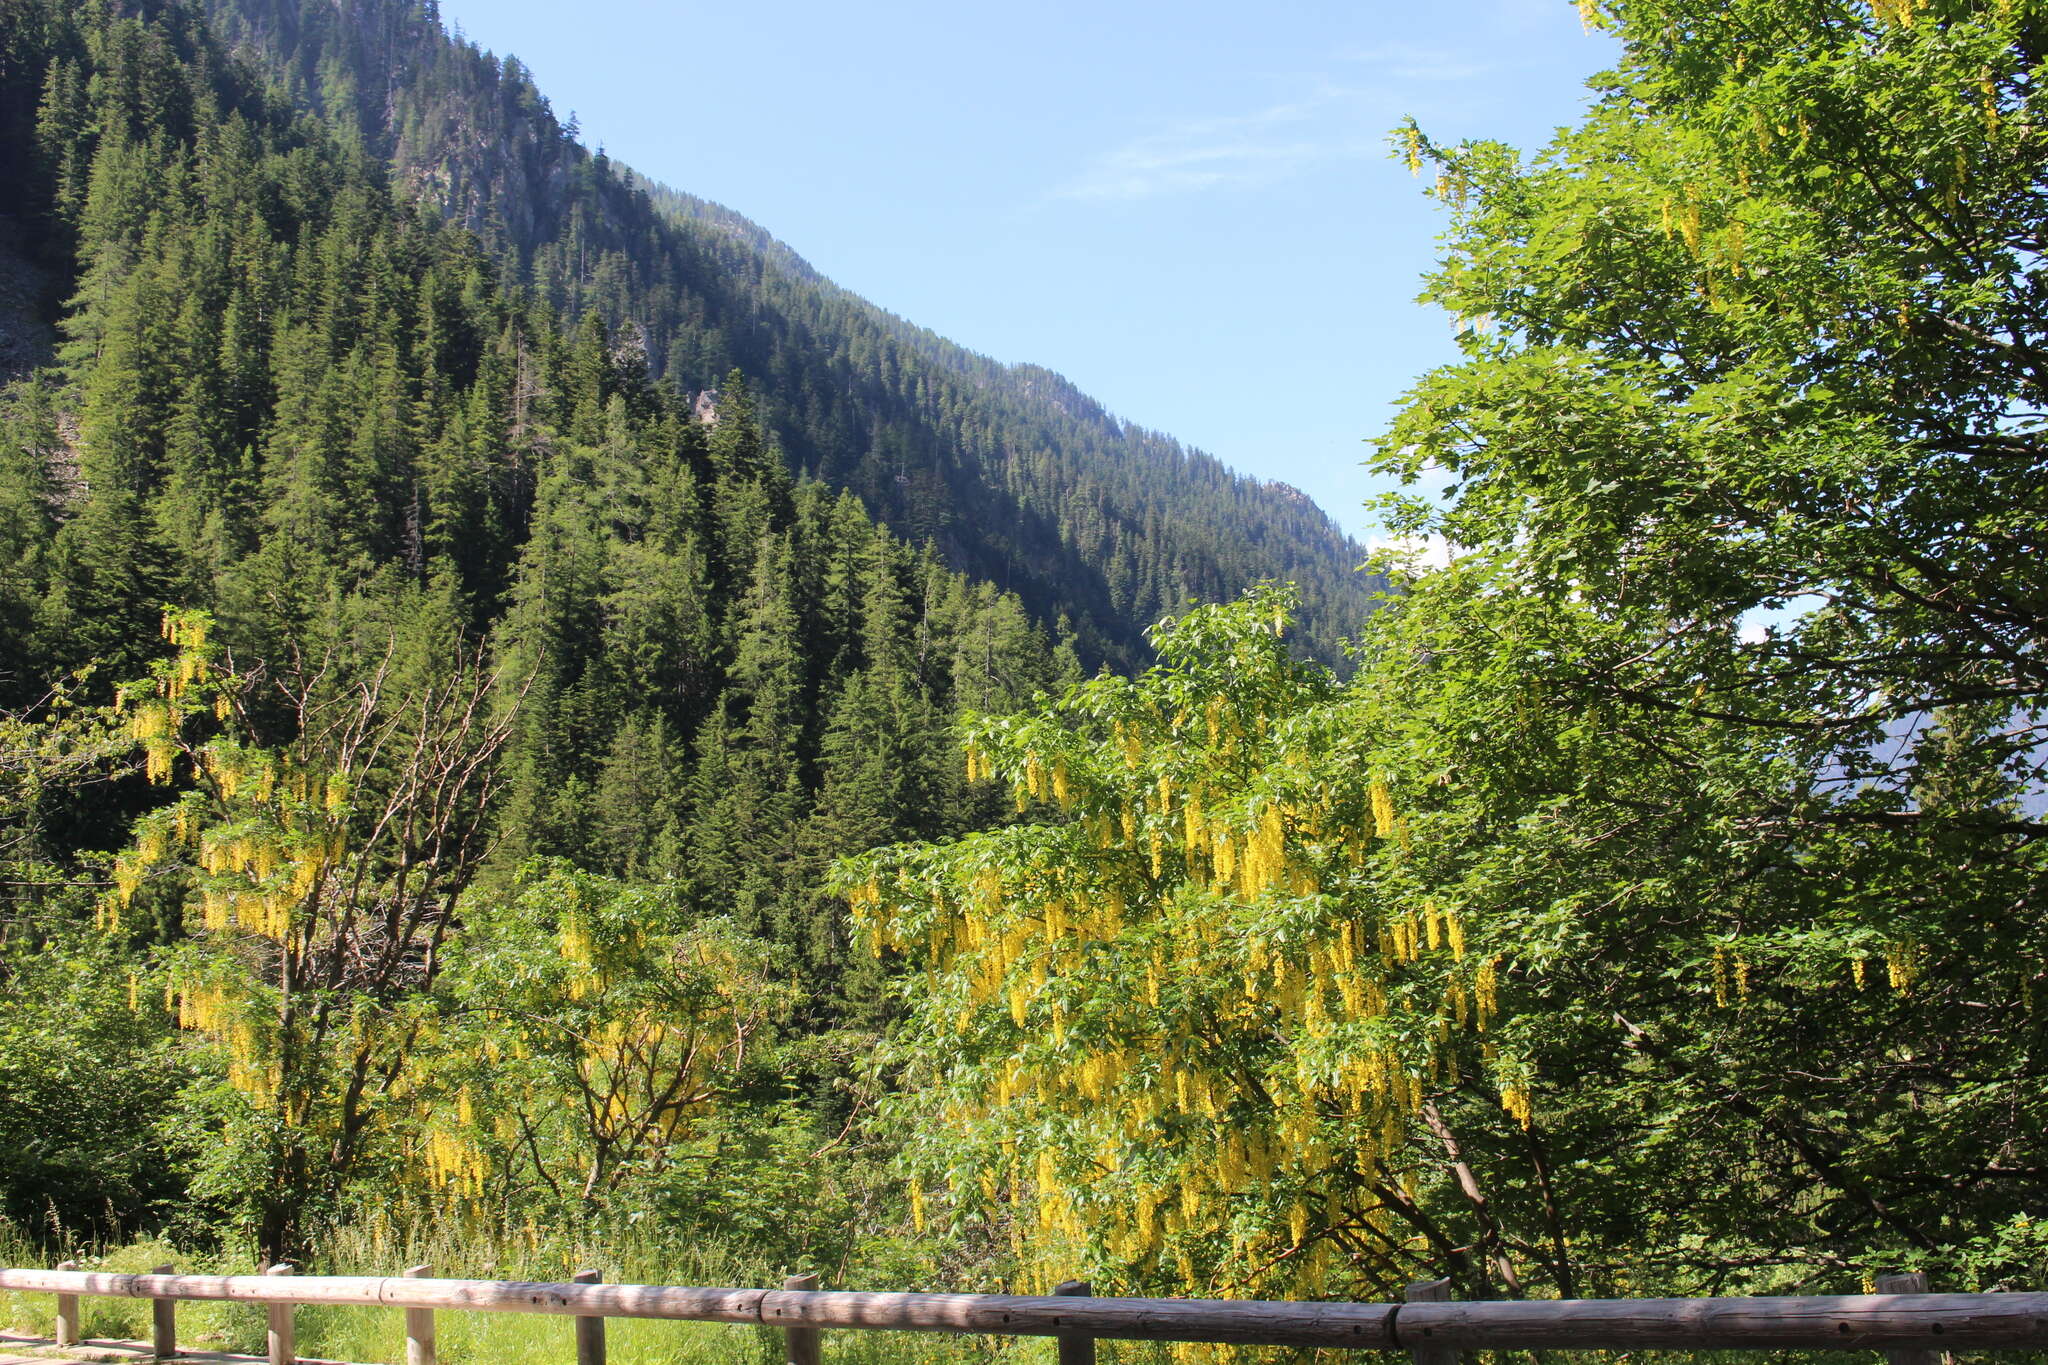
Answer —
1171 1033
1730 710
1759 337
605 1024
319 878
96 1133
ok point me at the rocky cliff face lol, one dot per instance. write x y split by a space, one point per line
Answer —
27 340
462 131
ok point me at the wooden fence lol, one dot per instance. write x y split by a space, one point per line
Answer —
1909 1325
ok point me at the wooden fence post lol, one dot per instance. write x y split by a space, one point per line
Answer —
1428 1291
1909 1282
419 1325
67 1312
1075 1347
803 1345
164 1319
282 1341
589 1331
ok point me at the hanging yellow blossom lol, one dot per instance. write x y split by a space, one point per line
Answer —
1160 1019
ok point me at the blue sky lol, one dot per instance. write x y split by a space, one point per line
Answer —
1186 208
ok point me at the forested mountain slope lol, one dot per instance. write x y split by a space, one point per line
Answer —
288 396
391 632
1015 476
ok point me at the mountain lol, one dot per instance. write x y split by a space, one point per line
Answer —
1016 477
447 514
317 323
286 395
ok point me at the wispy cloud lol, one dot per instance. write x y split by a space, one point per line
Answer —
1242 150
1332 119
1418 63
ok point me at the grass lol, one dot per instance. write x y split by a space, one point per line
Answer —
528 1339
214 1325
372 1335
356 1334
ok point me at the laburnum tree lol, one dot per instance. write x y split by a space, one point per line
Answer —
1174 1038
1712 765
591 1027
1733 700
311 878
1288 987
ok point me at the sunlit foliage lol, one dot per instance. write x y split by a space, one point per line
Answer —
594 1027
318 876
1177 1034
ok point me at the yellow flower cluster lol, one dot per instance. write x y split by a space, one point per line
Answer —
152 727
578 951
1037 780
1024 961
1515 1099
451 1161
186 631
202 1007
1902 963
265 851
209 1008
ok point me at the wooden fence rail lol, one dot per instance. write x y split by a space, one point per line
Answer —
1907 1327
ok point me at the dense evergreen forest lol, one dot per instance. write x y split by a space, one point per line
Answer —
1014 475
465 560
528 720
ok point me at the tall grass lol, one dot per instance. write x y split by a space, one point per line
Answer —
211 1325
374 1335
343 1333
